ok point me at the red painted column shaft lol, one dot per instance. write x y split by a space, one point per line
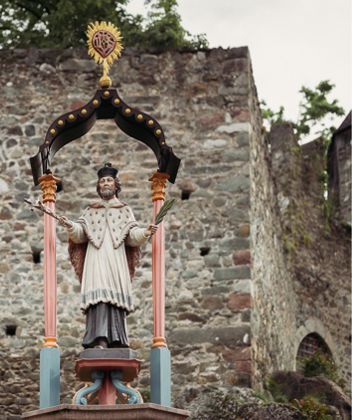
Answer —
158 261
158 274
48 185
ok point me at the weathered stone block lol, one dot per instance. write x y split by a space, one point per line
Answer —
212 260
216 290
214 143
242 257
242 272
236 354
244 230
234 244
229 336
211 121
212 302
239 301
234 184
241 155
75 64
234 128
190 316
243 366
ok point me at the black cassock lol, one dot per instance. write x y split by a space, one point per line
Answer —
104 320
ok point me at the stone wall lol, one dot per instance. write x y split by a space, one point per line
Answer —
252 267
301 270
339 162
201 100
273 317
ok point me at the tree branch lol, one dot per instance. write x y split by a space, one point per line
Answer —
29 9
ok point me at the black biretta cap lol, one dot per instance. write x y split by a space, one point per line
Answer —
107 170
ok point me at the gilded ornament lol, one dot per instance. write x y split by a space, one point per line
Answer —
48 185
158 132
95 102
106 93
52 131
50 342
150 123
61 123
159 342
127 110
71 117
117 101
104 46
84 111
139 117
158 186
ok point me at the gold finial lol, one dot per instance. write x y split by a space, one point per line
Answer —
104 45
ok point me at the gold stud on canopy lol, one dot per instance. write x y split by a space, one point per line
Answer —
104 45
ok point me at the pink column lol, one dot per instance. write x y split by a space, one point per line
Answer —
158 261
48 185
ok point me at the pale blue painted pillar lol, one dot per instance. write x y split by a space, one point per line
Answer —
160 375
49 377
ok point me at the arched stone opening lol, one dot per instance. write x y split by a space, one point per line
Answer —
311 344
313 335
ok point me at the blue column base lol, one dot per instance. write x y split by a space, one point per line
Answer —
160 375
49 377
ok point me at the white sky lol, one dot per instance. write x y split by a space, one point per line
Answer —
291 42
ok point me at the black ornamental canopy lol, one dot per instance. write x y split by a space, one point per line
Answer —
106 104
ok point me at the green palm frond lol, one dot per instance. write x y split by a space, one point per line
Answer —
164 209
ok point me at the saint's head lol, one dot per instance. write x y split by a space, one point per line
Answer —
108 185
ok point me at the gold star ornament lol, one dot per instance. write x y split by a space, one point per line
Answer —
104 46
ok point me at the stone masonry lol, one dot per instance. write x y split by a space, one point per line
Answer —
239 298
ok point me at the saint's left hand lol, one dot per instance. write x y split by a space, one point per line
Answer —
151 229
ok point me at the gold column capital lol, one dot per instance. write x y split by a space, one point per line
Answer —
50 342
158 180
48 184
159 342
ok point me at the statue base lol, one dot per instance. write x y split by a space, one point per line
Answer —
109 371
146 411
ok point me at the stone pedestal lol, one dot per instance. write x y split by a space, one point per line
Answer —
108 359
111 412
108 370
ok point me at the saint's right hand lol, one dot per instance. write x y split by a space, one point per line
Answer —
64 221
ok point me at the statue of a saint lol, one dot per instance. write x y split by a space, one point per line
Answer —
104 250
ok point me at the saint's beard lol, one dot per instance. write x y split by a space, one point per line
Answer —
107 193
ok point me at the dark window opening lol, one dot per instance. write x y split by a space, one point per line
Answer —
204 250
311 344
36 256
185 194
10 330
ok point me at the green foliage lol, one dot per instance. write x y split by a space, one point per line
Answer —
320 364
315 109
315 106
276 391
62 24
270 116
312 409
164 28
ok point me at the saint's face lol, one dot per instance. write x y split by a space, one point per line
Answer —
106 182
107 187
